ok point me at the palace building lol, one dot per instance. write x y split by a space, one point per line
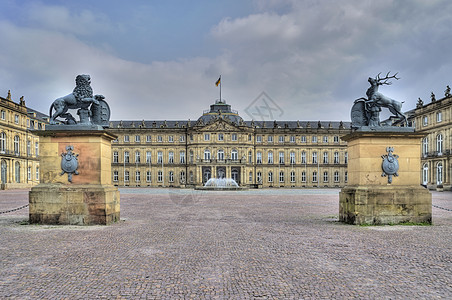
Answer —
435 119
220 144
19 147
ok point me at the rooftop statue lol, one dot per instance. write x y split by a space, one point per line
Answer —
91 109
366 111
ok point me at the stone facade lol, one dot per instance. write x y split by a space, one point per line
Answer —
435 120
19 146
220 144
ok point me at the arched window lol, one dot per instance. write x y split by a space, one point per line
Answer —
425 146
270 176
425 174
220 154
171 176
207 154
439 143
3 168
182 177
439 173
259 177
234 155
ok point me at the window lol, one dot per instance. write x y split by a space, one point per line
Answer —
346 158
126 176
148 139
159 176
270 139
425 121
250 137
137 139
126 139
303 176
182 138
325 176
182 157
16 145
3 115
258 157
171 176
171 139
346 176
115 176
207 136
37 173
270 157
438 117
137 157
292 139
281 176
126 157
148 157
182 177
159 157
314 157
292 176
171 157
250 157
206 154
148 176
159 139
439 143
325 157
303 139
259 139
37 149
425 174
234 155
292 157
425 146
270 176
17 172
439 173
336 157
191 156
2 142
259 177
16 119
325 139
314 139
303 157
314 176
336 139
220 137
336 176
115 156
281 139
137 176
220 155
281 157
29 173
29 148
234 137
250 177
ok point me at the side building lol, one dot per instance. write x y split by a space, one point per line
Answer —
220 144
19 147
435 119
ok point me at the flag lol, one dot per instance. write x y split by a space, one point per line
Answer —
218 81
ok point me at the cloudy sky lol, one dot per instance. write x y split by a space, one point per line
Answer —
159 60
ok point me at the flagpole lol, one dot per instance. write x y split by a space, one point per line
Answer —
220 89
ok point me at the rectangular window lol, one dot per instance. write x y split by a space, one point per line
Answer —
37 149
171 139
148 157
159 157
182 157
3 115
170 157
314 139
292 176
303 157
29 148
281 139
137 176
270 176
159 176
148 139
336 157
292 139
206 136
303 176
126 157
336 139
37 173
425 121
137 139
182 138
137 157
259 157
325 139
259 139
126 176
314 176
220 137
115 157
234 137
29 173
281 176
336 176
126 139
292 157
303 139
325 157
325 176
159 139
346 158
270 157
115 176
16 119
270 139
281 157
438 117
148 176
314 157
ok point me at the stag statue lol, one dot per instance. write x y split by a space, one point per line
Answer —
374 102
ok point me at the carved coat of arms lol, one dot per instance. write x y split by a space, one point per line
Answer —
390 164
69 163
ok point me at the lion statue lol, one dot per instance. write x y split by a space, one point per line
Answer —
81 97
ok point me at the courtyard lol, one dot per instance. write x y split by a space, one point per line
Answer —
255 244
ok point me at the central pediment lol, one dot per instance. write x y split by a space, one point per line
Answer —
219 125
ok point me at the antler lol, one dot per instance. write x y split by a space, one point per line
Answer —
384 80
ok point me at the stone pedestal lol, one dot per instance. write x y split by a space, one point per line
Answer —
90 198
369 197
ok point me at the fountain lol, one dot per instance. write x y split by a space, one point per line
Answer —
218 184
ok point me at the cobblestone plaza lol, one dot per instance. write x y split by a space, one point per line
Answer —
255 244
